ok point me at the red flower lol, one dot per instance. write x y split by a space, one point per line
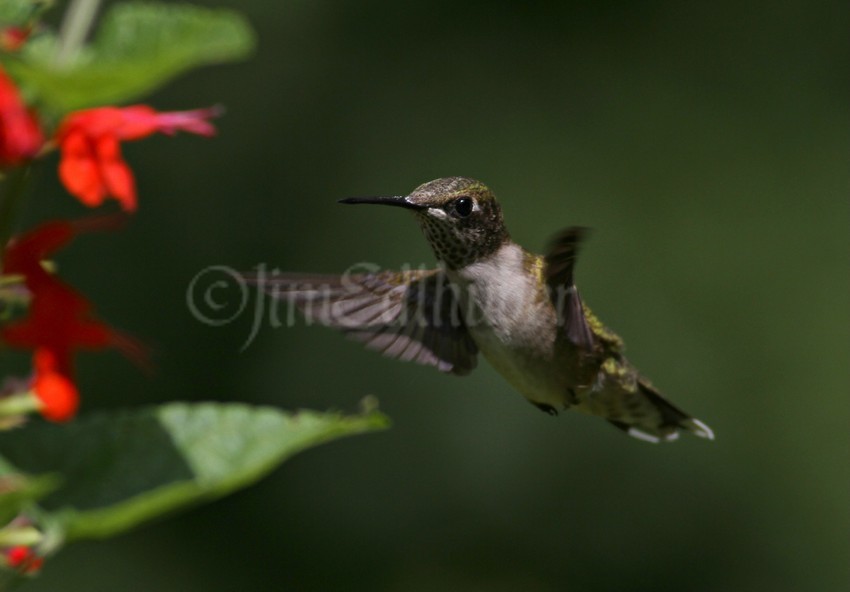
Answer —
23 559
12 38
58 395
20 136
92 168
60 320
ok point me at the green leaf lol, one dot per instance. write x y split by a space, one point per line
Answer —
138 47
20 12
121 470
18 491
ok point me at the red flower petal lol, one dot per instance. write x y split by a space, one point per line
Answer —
59 320
58 395
193 122
12 38
16 555
116 175
23 559
79 171
92 166
20 136
24 253
137 122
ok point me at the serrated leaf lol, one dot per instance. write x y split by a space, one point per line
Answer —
121 470
137 48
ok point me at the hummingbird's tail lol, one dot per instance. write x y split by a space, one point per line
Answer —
665 423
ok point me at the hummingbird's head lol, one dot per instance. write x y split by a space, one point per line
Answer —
460 218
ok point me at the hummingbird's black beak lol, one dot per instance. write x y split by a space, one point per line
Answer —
399 201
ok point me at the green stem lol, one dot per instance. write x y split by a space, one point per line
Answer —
12 189
76 24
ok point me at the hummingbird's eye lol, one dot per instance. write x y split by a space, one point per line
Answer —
463 206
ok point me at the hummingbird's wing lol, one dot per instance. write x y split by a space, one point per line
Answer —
559 263
409 315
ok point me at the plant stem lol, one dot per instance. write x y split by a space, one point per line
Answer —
12 190
75 27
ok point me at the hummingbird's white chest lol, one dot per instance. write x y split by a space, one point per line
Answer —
510 316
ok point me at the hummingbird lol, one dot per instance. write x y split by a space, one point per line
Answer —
521 311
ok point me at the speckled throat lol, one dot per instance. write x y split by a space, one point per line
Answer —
459 245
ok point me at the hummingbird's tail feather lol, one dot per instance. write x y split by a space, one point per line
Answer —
653 436
698 428
672 419
657 419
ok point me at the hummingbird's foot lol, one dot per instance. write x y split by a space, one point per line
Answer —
545 408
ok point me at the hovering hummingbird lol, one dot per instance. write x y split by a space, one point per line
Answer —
522 311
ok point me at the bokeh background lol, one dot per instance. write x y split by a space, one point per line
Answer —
706 143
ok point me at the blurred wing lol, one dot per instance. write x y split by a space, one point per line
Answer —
411 316
559 265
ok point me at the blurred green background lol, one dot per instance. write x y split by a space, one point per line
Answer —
706 143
